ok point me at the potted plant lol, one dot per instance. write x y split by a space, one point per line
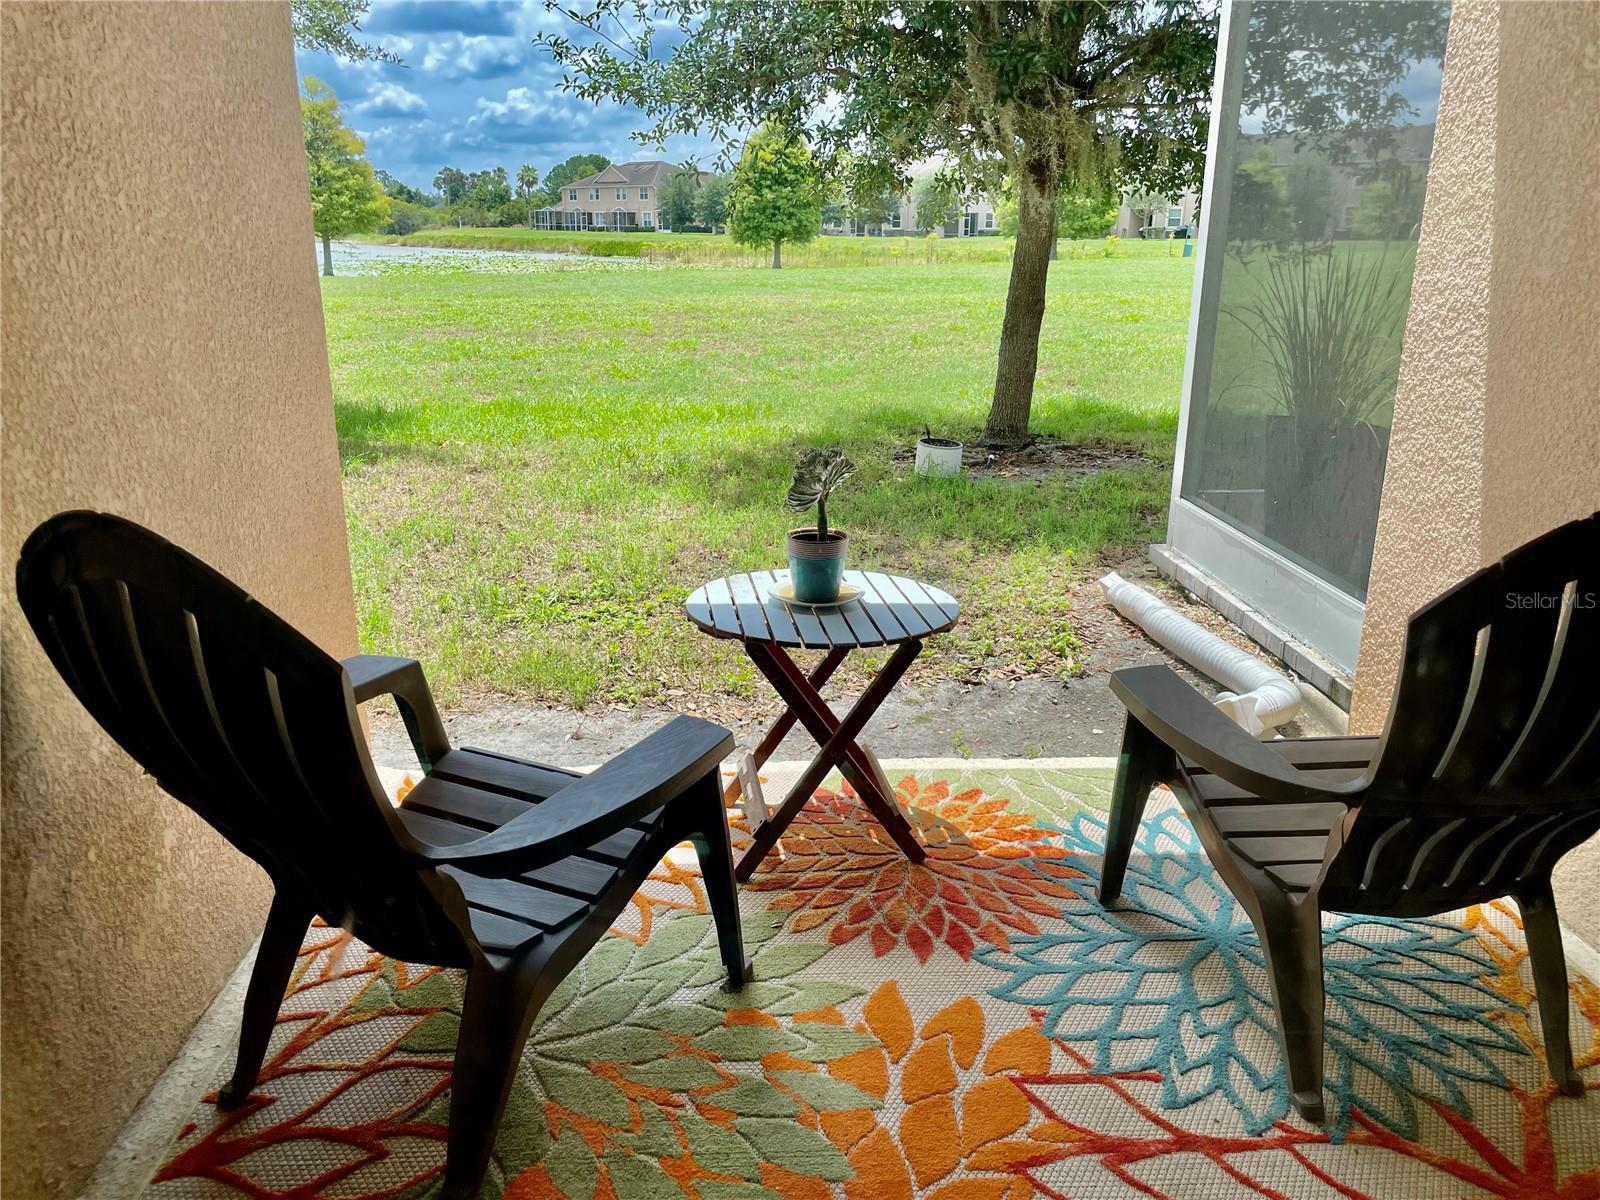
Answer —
938 456
816 556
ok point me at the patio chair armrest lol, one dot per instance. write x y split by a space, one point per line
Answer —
1159 699
626 789
373 675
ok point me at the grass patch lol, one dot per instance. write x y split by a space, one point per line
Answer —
539 467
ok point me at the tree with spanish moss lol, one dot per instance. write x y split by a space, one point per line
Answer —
1068 95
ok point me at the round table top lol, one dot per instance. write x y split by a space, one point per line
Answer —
891 609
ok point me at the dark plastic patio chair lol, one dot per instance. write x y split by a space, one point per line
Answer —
505 868
1487 772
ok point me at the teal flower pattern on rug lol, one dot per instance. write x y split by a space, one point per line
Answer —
1173 980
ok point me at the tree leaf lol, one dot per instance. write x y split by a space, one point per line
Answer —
748 1043
722 1189
753 1098
785 958
678 1073
827 1042
825 1093
609 958
685 1020
672 939
792 1146
584 1092
437 1034
751 995
624 1044
605 1007
656 1136
718 1149
523 1139
811 994
572 1166
639 1178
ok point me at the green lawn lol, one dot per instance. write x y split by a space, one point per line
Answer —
539 466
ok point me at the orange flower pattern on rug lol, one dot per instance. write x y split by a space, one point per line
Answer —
966 1129
990 872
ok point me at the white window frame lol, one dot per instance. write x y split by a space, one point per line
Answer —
894 219
622 193
647 220
1174 216
572 194
594 193
644 193
988 220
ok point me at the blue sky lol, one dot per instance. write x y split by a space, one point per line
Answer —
475 92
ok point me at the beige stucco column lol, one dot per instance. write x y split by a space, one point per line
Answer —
1497 419
163 359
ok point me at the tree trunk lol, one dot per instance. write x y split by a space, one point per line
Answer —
1019 334
327 255
777 256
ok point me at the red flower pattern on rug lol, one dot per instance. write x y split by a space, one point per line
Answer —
989 872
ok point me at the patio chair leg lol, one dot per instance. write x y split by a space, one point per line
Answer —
499 1010
1549 961
1291 937
715 850
1144 762
280 946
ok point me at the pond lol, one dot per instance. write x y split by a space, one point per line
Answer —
369 258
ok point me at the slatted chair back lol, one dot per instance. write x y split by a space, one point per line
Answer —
240 717
1489 769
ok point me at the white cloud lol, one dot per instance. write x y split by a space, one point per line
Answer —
391 100
475 56
522 110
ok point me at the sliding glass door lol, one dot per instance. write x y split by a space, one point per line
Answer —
1317 172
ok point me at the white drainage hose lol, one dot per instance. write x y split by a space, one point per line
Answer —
1260 699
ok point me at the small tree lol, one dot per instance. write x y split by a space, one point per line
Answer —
937 200
775 196
345 195
675 200
711 202
527 188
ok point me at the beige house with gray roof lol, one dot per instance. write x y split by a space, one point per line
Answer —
623 196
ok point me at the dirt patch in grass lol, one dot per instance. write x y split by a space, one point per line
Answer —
1038 461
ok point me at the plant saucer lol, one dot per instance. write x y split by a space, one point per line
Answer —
847 593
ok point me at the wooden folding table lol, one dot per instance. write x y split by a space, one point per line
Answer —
892 611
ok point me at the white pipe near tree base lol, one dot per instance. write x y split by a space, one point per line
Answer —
1259 698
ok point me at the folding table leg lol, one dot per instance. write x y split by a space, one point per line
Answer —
837 741
780 728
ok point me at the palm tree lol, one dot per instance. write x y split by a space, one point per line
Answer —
527 180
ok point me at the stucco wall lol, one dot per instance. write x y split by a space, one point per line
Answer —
163 358
1497 417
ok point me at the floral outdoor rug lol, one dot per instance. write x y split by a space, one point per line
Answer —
976 1028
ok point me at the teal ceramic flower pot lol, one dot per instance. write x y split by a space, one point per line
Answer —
816 568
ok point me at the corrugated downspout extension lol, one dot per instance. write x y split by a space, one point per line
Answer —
1259 699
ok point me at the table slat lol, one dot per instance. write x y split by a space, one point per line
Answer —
723 612
929 609
788 624
751 615
887 603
